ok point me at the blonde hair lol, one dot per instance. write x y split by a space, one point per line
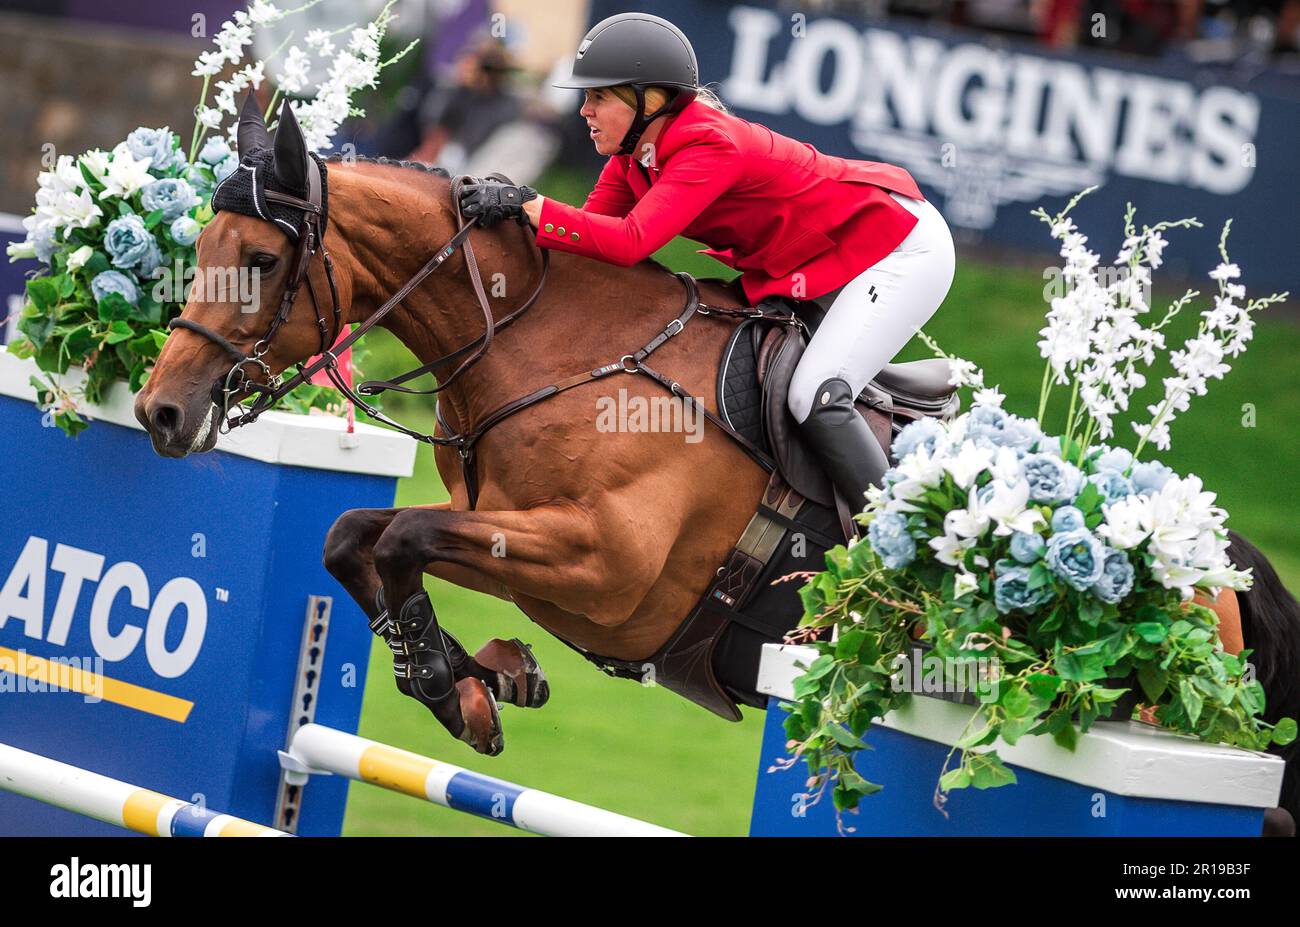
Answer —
656 97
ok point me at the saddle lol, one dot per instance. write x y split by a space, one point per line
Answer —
754 380
713 657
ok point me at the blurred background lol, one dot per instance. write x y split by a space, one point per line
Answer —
1181 107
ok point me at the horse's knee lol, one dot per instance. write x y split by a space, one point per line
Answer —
402 544
345 541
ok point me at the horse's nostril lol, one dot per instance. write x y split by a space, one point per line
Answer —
166 420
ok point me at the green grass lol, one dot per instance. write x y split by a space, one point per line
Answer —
650 754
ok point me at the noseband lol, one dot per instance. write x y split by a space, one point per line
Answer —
311 240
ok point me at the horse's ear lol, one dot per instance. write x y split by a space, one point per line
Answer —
252 133
290 152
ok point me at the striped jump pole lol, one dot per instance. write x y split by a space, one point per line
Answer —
316 748
115 802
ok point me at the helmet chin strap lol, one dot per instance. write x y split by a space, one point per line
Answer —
641 122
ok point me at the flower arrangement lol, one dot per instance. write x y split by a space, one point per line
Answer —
1067 574
116 230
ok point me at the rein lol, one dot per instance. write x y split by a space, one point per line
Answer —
311 240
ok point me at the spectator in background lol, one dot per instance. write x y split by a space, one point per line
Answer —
457 118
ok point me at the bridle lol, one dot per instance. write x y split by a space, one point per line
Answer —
311 240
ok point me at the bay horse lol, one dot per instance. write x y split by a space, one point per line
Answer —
604 538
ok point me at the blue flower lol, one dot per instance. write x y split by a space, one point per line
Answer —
200 182
42 239
111 281
1011 589
223 169
156 145
131 245
1050 478
215 150
1067 518
1150 477
1112 483
185 231
1021 434
172 195
1026 546
1116 577
1113 460
1076 557
890 539
924 432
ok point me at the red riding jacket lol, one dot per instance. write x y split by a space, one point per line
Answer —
794 221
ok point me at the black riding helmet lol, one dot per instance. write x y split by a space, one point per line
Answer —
639 51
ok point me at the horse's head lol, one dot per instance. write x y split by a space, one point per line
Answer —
248 259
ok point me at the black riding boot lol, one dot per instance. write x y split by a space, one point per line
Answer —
844 442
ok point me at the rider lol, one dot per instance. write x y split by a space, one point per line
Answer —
856 237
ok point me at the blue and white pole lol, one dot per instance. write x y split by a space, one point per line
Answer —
317 748
116 802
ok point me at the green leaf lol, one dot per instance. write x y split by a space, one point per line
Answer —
1284 732
113 306
124 209
152 220
850 779
1153 632
119 331
43 292
66 284
1043 685
97 264
845 738
990 773
1191 699
954 779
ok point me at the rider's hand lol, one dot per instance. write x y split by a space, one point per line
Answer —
487 202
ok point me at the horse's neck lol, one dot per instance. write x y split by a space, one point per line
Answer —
588 314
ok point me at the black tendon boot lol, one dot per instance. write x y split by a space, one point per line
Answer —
844 443
421 663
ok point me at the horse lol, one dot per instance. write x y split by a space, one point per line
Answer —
605 539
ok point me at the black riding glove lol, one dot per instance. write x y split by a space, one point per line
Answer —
487 202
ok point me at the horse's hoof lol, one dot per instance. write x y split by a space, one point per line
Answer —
520 680
482 722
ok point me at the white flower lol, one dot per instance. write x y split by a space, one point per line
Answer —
21 250
1225 272
297 69
262 13
970 522
1155 245
964 583
320 40
949 549
125 174
208 117
968 463
1006 506
1128 521
78 258
96 162
988 397
78 209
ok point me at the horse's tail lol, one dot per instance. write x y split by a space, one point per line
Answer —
1270 626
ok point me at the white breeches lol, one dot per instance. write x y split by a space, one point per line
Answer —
879 311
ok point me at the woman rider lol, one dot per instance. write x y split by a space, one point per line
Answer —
855 236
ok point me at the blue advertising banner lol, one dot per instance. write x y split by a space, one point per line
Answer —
992 127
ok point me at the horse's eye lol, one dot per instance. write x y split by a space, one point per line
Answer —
262 261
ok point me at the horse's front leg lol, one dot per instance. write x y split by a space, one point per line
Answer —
551 552
507 668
